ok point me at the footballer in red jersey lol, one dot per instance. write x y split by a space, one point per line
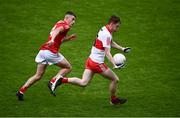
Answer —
95 62
49 55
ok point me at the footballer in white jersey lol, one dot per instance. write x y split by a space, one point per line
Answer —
102 41
95 62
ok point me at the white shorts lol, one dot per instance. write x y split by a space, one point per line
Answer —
47 57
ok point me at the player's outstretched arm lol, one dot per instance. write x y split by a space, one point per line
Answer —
70 37
124 49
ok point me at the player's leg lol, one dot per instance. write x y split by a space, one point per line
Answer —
87 76
65 69
113 78
113 86
65 66
38 75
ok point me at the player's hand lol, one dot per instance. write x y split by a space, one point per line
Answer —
119 66
126 49
72 37
50 42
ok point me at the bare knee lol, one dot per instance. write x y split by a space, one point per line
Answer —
84 83
69 68
116 79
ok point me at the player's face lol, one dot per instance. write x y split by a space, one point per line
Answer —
71 20
115 27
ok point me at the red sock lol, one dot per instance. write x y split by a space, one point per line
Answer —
64 80
53 80
22 90
113 97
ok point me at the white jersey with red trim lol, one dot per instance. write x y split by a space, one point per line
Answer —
103 40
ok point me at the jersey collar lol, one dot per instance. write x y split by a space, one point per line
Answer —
107 27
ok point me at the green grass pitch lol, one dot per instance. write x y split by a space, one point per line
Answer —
150 80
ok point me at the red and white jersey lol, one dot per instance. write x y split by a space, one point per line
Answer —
103 40
58 39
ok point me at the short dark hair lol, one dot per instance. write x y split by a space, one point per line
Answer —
70 13
114 19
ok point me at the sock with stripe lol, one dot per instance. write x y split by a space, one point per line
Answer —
64 80
22 90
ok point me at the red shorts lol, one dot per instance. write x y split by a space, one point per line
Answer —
95 67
